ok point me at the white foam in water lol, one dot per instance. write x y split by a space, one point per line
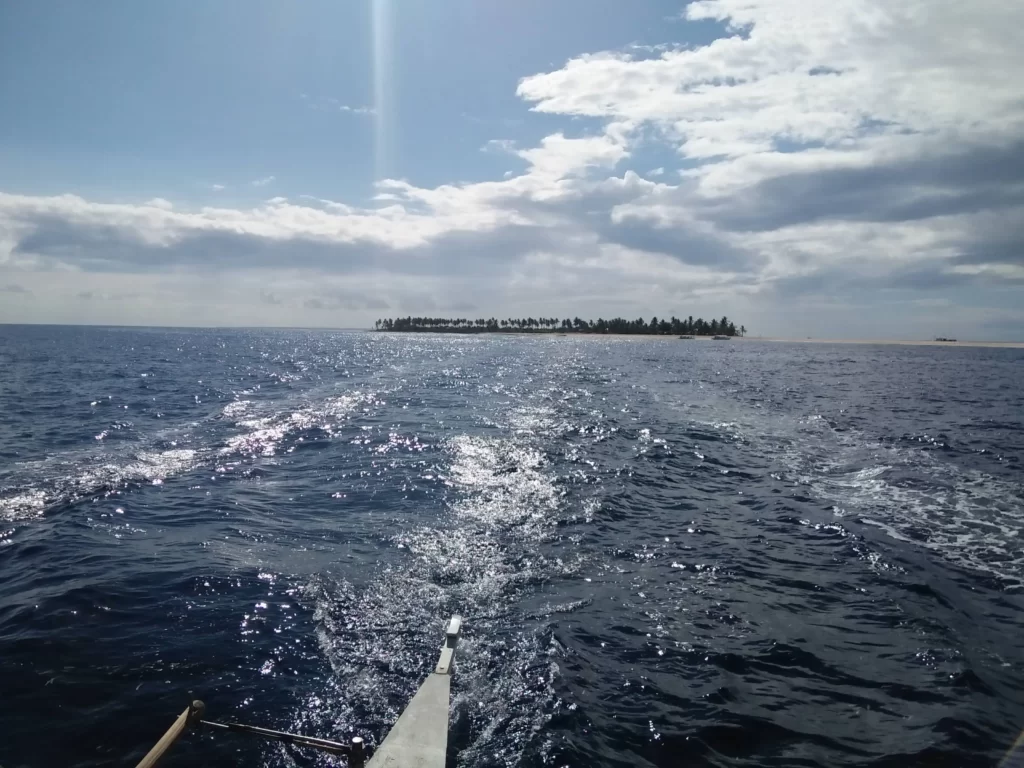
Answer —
235 409
158 465
504 483
22 506
475 559
967 517
263 434
74 477
80 473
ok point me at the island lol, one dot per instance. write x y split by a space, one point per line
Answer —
682 327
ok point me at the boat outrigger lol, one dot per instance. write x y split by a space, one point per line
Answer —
418 740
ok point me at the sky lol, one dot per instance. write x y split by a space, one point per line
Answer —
827 168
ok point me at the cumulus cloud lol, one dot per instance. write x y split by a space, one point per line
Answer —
826 137
828 150
217 187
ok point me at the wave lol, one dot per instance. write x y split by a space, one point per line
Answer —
237 433
58 482
969 518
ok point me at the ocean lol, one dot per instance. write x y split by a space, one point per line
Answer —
667 553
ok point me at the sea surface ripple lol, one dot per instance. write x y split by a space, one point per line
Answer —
667 553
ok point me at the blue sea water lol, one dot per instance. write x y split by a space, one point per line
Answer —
667 553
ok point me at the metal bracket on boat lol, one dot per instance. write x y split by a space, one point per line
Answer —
451 639
354 750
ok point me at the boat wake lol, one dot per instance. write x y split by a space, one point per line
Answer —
481 556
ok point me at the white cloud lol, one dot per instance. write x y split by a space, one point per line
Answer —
331 104
217 187
831 152
264 181
558 157
499 145
365 111
828 73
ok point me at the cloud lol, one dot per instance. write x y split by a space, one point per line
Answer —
331 104
335 207
13 288
264 181
970 178
217 187
864 113
347 300
366 111
499 145
830 154
794 74
105 296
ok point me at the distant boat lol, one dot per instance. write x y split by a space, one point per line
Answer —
943 338
721 338
690 338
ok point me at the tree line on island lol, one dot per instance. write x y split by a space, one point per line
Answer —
655 327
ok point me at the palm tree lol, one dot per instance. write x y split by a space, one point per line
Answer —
698 327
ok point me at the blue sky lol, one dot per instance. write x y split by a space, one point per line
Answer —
847 170
166 99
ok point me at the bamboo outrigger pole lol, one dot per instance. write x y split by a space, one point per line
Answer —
189 717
